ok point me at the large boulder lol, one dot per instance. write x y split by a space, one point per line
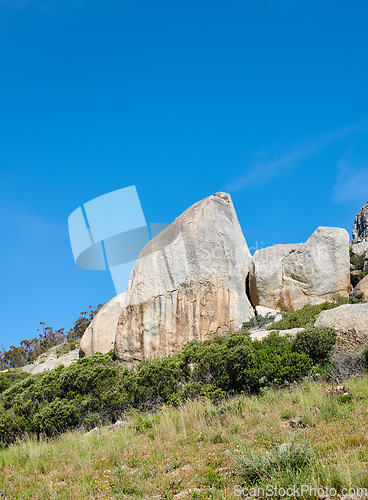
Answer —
188 282
100 333
351 323
290 276
360 227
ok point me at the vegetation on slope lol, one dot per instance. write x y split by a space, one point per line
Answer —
95 390
359 267
307 315
201 450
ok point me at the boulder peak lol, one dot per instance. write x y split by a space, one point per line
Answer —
188 282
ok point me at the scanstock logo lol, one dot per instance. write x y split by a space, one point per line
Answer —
108 233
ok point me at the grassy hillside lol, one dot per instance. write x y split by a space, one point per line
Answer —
202 450
220 416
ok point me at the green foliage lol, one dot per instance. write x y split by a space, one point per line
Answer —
29 350
364 353
357 261
285 458
95 390
306 316
4 382
11 376
359 265
145 422
257 321
236 363
193 390
316 343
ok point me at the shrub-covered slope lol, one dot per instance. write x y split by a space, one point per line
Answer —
95 390
309 435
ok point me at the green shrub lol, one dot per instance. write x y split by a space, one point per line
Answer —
96 390
237 363
359 265
4 382
317 343
258 321
194 390
306 316
357 261
285 458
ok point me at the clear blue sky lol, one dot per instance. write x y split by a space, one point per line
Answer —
265 99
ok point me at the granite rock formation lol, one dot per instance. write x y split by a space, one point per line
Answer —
189 282
290 276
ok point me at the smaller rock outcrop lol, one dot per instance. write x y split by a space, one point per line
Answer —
259 334
359 248
351 323
293 275
100 333
51 360
361 290
360 227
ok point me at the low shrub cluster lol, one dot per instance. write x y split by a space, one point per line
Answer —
288 459
258 321
306 316
317 343
359 267
96 390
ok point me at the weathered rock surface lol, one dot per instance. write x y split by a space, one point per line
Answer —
100 333
188 281
259 334
50 360
360 227
290 276
361 290
360 247
264 311
350 321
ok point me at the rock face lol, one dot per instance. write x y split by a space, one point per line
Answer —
100 334
359 248
290 276
189 281
361 290
50 360
360 227
259 334
350 321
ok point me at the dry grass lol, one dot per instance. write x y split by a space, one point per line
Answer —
191 451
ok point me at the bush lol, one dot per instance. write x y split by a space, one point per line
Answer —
237 363
316 343
4 382
306 316
359 265
258 321
285 458
95 390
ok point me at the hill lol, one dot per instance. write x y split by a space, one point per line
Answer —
305 435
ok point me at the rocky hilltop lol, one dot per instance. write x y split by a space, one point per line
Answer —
189 281
197 277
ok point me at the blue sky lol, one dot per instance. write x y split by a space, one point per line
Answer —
265 99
